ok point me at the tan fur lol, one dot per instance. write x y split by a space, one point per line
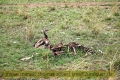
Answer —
43 41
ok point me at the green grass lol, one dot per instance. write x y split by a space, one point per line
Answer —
20 28
38 1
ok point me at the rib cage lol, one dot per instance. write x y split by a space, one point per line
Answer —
56 50
74 45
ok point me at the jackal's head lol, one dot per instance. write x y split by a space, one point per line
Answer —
39 43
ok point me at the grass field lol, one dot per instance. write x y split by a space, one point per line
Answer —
20 28
39 1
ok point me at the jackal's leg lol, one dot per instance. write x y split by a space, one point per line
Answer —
74 50
68 48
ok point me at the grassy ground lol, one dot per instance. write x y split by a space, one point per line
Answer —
20 28
39 1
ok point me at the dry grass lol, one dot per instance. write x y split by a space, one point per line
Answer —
30 33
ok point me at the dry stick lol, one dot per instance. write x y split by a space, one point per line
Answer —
27 58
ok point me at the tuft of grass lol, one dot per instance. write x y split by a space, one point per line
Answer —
117 65
66 6
22 12
116 14
26 15
19 11
63 26
117 25
96 29
30 33
64 23
39 13
109 17
86 19
50 19
52 8
114 9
